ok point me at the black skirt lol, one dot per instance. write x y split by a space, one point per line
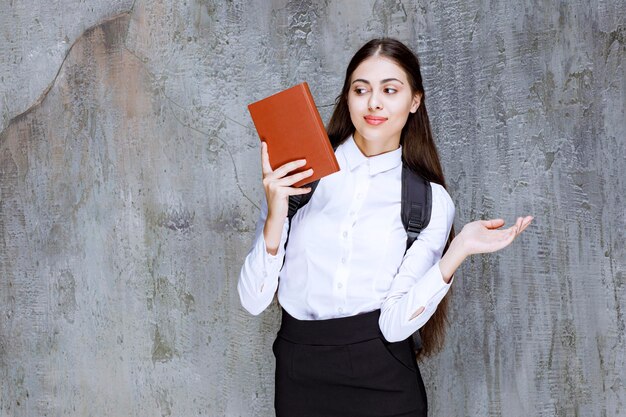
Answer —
345 368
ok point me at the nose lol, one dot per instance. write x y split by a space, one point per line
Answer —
374 103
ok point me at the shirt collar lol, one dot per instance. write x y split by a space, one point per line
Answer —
377 164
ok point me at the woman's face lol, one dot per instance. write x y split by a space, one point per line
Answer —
380 100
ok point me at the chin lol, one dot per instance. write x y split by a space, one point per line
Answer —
378 136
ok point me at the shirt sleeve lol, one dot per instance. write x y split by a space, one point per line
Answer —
258 279
419 282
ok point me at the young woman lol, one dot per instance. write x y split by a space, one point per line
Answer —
351 296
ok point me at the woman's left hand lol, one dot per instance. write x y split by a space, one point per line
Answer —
483 236
480 236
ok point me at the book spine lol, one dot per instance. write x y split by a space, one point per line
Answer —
316 115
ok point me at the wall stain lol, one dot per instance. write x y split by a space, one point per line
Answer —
167 295
618 35
65 295
178 220
161 349
390 13
544 90
231 220
164 402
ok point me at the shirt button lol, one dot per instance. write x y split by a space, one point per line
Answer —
340 310
345 234
343 260
340 285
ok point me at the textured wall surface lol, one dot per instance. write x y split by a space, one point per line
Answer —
130 185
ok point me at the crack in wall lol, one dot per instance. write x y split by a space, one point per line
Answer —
153 77
42 97
226 146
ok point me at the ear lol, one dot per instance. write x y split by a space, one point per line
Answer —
417 99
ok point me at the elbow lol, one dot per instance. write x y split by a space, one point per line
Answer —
392 336
253 309
395 329
390 332
398 334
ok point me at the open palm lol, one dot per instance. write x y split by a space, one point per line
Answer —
484 236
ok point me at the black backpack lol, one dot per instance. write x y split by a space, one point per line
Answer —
415 210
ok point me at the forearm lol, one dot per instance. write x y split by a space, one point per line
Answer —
258 279
272 232
452 259
410 303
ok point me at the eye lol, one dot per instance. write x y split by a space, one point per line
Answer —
360 91
390 90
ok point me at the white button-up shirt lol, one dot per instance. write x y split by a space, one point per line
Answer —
346 251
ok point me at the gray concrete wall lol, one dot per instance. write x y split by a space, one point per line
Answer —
130 184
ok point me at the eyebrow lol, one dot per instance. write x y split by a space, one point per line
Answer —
386 80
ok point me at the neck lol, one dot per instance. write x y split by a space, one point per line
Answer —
373 148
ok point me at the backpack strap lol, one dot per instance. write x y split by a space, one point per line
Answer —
416 204
415 214
298 201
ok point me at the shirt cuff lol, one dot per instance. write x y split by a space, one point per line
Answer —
270 265
431 290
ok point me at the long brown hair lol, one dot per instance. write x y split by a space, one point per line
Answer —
418 150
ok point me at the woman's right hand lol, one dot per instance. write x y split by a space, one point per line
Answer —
278 187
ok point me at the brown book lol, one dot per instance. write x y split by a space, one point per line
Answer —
291 126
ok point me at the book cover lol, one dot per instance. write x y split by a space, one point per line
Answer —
292 127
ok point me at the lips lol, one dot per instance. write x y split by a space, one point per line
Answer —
375 120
